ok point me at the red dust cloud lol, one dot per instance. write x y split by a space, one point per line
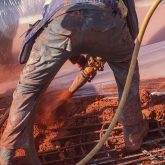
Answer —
55 108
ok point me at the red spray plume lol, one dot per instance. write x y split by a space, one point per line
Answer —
55 108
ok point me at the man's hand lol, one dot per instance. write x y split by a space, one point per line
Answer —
80 61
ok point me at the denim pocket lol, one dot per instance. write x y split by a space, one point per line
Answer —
34 56
98 20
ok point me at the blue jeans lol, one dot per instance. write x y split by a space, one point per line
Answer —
98 32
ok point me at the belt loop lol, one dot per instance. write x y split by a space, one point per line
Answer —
123 9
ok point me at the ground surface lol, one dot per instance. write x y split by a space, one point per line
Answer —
66 135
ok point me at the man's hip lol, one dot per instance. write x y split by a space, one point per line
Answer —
98 32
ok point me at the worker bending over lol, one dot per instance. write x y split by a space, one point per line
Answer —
101 28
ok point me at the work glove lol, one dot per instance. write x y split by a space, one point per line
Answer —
80 61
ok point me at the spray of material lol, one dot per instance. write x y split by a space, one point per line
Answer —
53 108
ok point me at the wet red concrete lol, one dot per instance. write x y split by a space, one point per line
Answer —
53 123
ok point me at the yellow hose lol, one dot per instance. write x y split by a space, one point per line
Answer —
127 85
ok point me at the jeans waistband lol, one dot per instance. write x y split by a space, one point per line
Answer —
112 3
62 3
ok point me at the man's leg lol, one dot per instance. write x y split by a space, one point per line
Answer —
134 125
47 56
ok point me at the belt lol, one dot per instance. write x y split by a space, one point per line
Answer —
57 3
114 4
